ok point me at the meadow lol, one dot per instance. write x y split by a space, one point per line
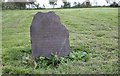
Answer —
93 33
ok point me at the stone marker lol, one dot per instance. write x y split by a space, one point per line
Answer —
48 36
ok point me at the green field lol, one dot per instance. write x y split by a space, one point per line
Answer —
92 30
0 42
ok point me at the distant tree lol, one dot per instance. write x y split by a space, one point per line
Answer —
16 4
86 3
37 5
33 3
69 4
108 1
43 6
75 4
114 4
66 4
9 5
20 5
78 5
53 2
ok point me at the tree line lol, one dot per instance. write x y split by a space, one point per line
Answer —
53 3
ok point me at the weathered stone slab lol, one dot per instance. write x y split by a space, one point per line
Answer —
48 36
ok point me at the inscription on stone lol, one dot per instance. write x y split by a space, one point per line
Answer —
48 36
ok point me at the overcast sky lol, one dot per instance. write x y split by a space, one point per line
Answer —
59 2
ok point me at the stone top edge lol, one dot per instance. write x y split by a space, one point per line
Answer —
46 12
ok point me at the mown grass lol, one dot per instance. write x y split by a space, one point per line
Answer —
0 42
92 30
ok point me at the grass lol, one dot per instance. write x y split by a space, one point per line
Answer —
0 42
92 30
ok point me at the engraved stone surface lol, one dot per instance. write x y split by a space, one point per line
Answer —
48 36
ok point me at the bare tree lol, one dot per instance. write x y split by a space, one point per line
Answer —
75 4
66 4
112 3
53 2
109 1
